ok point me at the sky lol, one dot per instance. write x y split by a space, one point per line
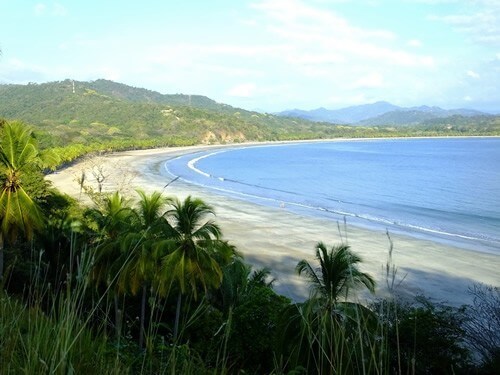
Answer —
266 55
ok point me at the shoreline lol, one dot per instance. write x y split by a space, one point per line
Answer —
276 238
467 242
256 143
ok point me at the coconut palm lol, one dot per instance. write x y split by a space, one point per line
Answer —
141 266
151 227
19 155
112 220
337 274
196 251
112 217
238 281
326 333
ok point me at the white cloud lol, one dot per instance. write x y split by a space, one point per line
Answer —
482 23
244 90
230 71
17 64
298 15
473 74
39 9
54 9
372 80
323 57
307 45
164 53
467 98
312 31
309 58
414 43
296 42
59 10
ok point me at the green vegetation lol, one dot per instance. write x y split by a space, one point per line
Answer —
325 335
150 286
337 274
18 157
102 115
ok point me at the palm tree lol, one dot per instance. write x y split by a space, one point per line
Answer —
111 217
238 281
234 283
337 275
196 251
19 155
113 220
326 334
141 266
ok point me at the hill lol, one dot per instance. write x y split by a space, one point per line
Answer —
141 95
104 110
105 115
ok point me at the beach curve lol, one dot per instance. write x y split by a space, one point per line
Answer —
276 238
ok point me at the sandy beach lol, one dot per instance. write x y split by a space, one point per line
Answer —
276 238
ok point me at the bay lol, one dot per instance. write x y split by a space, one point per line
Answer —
443 189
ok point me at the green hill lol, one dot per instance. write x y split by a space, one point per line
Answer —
104 110
140 95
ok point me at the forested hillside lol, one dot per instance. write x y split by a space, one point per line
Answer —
80 117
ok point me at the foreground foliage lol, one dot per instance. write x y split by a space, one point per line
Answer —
19 157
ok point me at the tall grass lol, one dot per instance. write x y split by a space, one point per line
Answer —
346 338
56 332
50 335
66 332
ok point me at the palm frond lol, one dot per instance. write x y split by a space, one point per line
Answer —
337 273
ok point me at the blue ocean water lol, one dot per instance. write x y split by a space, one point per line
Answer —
443 189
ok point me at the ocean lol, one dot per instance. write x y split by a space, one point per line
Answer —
443 189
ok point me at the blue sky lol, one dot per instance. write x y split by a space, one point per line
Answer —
268 55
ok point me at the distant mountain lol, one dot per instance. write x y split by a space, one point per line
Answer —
348 115
355 114
379 114
319 115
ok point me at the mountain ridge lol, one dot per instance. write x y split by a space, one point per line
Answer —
380 113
